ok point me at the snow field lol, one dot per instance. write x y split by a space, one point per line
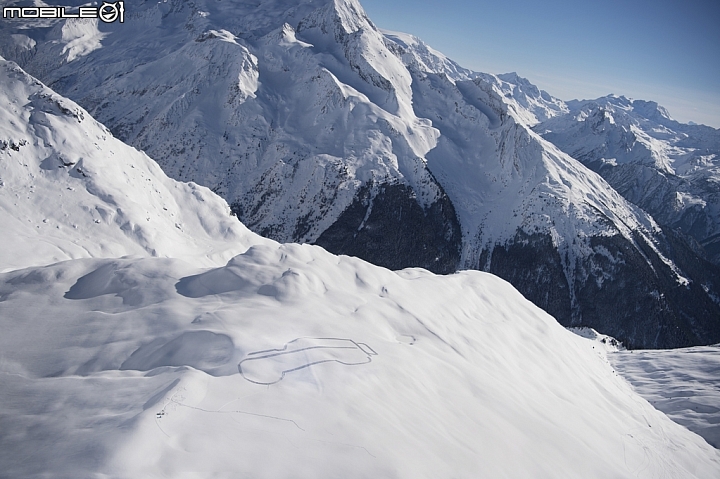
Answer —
139 358
682 383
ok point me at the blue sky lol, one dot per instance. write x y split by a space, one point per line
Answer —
662 50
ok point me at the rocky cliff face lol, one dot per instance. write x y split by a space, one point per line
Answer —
386 226
624 289
317 127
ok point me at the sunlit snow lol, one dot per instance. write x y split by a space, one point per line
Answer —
285 361
147 333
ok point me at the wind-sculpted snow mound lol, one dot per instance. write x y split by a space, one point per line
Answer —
69 189
309 364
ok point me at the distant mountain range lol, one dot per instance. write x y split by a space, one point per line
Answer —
318 127
669 169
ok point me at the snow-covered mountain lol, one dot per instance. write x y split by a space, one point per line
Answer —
69 189
670 169
284 361
528 103
291 132
317 127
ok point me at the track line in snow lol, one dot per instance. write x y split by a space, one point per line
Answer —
270 366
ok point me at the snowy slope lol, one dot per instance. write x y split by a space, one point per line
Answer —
529 104
321 116
317 127
69 189
292 362
670 169
682 383
286 129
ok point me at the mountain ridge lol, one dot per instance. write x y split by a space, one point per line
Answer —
69 189
667 168
311 122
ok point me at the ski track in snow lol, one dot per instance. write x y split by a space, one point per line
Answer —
506 391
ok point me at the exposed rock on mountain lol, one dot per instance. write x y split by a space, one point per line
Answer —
670 169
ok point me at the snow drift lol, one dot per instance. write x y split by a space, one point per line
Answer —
310 364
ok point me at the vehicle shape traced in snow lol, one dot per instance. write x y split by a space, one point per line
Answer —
270 366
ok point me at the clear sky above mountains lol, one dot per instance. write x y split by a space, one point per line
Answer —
662 50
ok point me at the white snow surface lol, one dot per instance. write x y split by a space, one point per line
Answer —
528 103
69 189
636 132
81 37
285 361
682 383
292 362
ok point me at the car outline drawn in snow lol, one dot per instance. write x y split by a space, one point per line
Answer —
270 366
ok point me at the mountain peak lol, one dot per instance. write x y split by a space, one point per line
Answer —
651 110
513 77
